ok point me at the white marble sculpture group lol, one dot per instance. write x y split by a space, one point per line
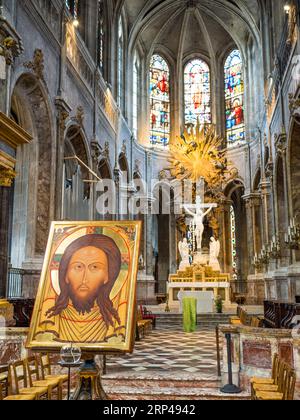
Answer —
196 211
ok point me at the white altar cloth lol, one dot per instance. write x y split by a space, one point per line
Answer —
205 301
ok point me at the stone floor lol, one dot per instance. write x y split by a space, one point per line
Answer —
171 352
168 365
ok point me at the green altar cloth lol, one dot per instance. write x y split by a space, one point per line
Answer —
189 314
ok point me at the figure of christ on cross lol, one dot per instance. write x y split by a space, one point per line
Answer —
198 216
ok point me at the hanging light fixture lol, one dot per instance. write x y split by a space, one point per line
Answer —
75 23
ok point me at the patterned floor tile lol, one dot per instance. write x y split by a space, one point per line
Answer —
170 350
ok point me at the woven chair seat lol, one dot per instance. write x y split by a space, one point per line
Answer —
269 396
20 398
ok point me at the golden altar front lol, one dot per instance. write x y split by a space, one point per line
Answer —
199 278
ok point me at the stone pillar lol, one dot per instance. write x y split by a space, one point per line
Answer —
267 223
4 226
255 283
173 244
281 147
117 178
148 241
11 135
224 211
63 112
251 200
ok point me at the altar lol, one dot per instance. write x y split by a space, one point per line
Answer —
199 279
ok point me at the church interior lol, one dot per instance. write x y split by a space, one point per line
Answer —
180 115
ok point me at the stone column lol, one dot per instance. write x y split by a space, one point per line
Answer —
63 112
267 223
148 241
251 234
117 179
173 243
224 211
4 226
10 137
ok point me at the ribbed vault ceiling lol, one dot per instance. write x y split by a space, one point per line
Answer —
185 27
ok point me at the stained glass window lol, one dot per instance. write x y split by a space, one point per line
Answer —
73 7
159 101
197 93
101 35
233 242
135 101
234 98
120 63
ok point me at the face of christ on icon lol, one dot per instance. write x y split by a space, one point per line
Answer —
88 271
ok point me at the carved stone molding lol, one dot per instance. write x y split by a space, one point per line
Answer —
37 64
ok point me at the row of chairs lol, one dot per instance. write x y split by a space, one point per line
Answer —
243 318
280 387
31 379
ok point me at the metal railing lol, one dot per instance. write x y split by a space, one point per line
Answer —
14 288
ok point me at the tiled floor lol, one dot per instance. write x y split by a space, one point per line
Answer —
170 351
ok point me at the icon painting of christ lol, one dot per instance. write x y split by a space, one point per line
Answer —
88 287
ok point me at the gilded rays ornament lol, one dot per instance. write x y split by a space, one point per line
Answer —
199 154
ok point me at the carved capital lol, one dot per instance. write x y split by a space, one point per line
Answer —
79 117
7 177
137 166
63 112
96 150
106 150
281 142
124 148
11 45
6 50
269 169
252 200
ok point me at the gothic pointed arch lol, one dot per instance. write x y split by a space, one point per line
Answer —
34 185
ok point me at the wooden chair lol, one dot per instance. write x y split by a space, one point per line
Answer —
285 389
21 383
35 379
241 318
16 397
46 370
255 382
144 325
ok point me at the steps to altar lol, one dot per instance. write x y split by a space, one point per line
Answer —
146 388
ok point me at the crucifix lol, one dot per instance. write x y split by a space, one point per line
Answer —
198 213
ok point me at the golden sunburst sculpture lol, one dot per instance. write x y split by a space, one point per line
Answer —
199 154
